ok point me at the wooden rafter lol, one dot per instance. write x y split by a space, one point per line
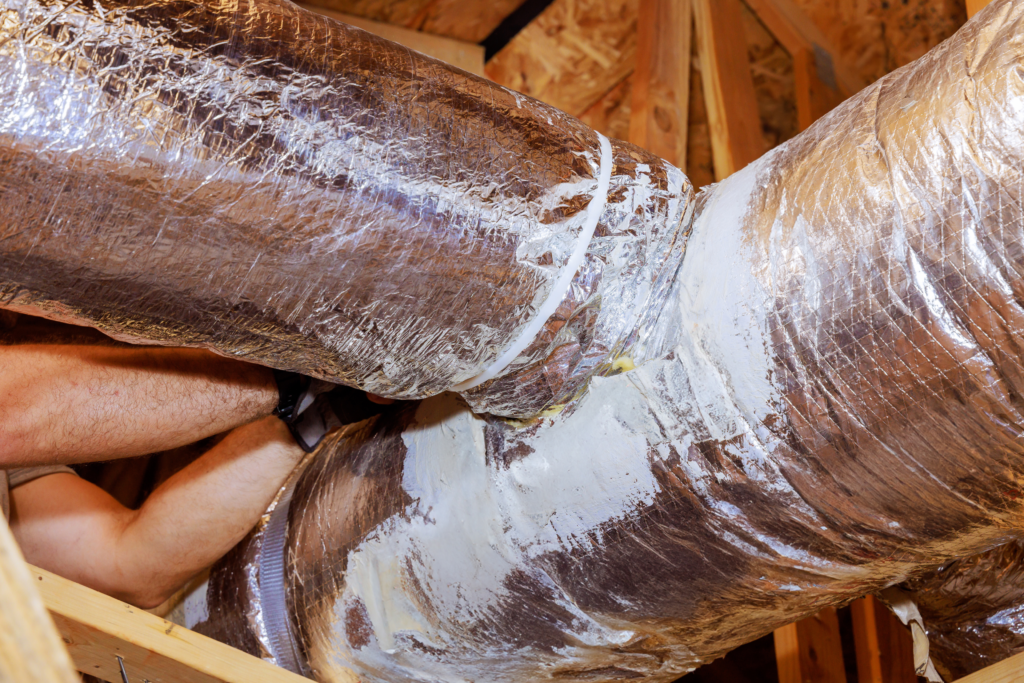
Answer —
798 33
885 648
822 79
810 650
661 81
734 122
30 649
98 629
464 55
975 6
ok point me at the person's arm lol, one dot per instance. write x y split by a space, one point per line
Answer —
70 404
75 529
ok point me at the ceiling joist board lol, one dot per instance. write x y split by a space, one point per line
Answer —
572 54
884 646
466 56
975 6
736 137
97 629
661 80
810 649
801 36
30 648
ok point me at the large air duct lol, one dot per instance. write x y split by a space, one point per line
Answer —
250 177
828 392
834 403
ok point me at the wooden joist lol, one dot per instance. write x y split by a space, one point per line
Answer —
573 53
798 33
661 81
98 629
464 55
975 6
735 124
823 80
810 651
885 648
30 649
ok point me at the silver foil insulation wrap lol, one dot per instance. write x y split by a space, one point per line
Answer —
973 610
831 401
250 177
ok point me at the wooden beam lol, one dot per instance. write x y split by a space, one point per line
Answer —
885 648
810 650
464 55
97 629
814 96
733 118
975 6
30 649
573 53
798 34
661 81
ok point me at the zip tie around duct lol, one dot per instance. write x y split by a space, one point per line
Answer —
594 210
273 597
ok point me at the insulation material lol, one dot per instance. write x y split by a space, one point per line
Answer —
820 398
830 402
973 610
250 177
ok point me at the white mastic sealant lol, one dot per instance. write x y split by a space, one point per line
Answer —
594 210
437 572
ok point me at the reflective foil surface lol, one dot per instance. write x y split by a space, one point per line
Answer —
250 177
830 401
973 610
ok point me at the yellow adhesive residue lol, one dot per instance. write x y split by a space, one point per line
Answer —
553 410
623 364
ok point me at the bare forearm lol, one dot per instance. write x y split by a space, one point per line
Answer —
203 511
78 404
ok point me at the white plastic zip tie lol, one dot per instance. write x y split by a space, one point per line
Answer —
561 286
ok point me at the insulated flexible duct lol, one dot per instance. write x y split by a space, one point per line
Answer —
833 402
250 177
827 392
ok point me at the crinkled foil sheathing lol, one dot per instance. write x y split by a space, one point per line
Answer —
253 178
973 610
828 391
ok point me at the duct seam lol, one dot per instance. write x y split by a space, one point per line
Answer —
557 293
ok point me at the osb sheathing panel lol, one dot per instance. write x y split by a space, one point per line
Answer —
878 36
468 20
571 65
573 53
773 82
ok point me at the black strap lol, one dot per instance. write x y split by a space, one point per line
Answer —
290 387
